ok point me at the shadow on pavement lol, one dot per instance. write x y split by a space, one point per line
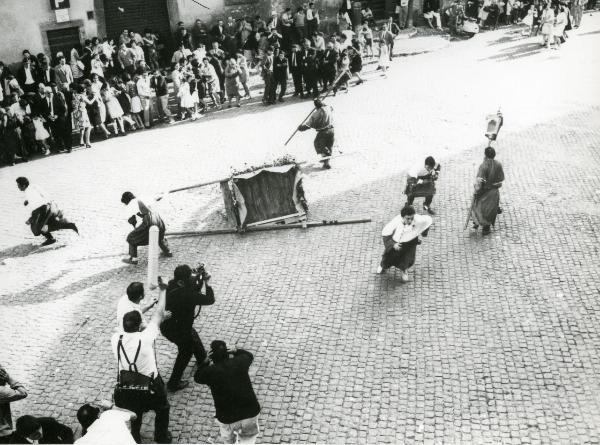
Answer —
516 52
24 250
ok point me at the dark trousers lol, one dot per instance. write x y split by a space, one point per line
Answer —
297 78
5 439
162 243
160 405
270 88
328 78
282 85
410 199
311 85
188 344
62 132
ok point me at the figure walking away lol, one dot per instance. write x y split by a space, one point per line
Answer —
486 201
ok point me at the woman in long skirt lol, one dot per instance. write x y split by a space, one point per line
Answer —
401 238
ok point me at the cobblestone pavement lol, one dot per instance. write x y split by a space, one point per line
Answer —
495 339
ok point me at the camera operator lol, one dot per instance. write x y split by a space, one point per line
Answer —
184 293
236 406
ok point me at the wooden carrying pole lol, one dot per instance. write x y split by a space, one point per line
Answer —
272 227
312 111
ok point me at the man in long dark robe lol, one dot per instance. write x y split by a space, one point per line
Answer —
140 235
400 238
46 217
322 121
486 203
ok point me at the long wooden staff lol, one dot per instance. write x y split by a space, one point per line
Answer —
329 90
470 212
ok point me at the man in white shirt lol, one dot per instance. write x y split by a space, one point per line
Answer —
45 215
145 92
131 301
181 53
134 346
105 424
400 238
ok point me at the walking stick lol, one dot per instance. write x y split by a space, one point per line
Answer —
470 212
329 90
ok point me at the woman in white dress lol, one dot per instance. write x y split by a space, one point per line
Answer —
186 101
559 26
41 134
113 108
547 25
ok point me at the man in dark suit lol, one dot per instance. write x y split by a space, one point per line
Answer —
60 122
328 64
39 103
218 32
26 77
280 74
45 74
295 66
30 429
310 72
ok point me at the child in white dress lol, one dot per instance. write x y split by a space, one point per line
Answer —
41 134
384 58
186 101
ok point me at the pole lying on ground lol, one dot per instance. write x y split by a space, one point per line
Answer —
329 90
273 227
152 278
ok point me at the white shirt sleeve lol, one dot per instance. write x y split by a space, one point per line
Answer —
150 333
389 228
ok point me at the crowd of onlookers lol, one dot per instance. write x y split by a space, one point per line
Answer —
114 86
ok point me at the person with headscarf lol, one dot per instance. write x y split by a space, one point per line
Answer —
486 201
140 235
45 217
321 120
401 238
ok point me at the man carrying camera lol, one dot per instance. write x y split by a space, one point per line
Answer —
236 405
184 293
134 351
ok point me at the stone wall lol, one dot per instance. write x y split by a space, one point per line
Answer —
24 24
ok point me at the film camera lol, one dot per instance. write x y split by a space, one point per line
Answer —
200 272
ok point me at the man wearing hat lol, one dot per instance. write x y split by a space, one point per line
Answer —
322 121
